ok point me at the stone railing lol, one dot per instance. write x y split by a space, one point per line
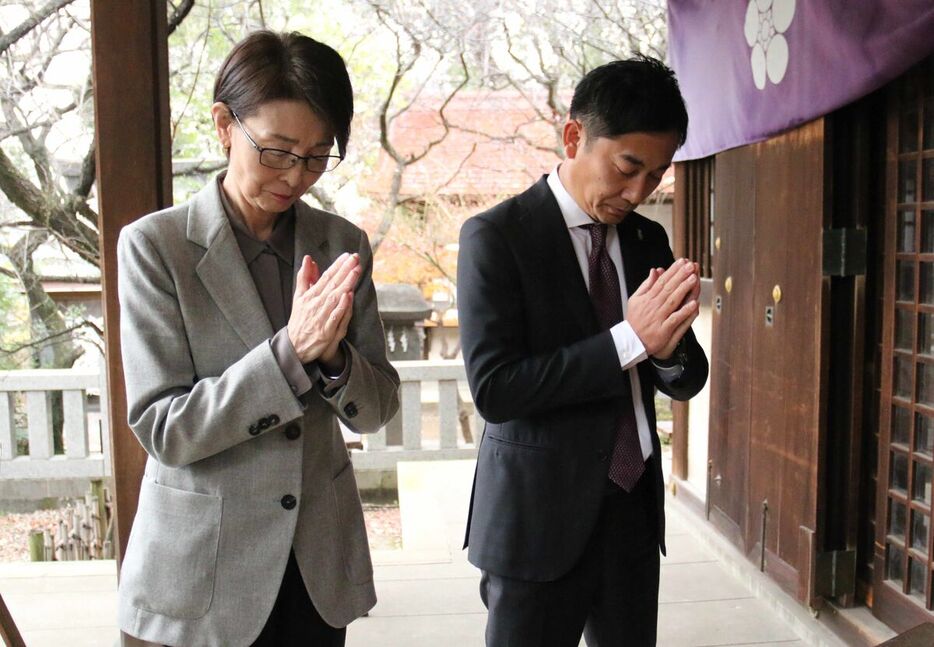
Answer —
86 440
85 454
407 437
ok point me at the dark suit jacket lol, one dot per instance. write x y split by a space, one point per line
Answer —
548 382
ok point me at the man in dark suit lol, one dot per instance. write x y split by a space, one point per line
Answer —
567 516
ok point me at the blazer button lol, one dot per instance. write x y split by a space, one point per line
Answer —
273 420
350 410
603 455
288 502
254 430
293 431
263 424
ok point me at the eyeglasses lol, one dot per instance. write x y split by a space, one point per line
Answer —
283 160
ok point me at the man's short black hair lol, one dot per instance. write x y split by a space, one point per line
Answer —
640 94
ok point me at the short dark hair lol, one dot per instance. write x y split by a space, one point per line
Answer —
268 66
640 94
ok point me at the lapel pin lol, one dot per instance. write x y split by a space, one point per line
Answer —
639 233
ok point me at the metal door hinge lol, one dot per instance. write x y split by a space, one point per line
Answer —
835 573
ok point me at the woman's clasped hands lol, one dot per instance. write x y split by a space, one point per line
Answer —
321 310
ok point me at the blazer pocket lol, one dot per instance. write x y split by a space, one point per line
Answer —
172 551
355 549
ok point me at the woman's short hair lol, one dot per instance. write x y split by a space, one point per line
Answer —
268 66
640 94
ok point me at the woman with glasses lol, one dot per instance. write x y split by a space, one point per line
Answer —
249 330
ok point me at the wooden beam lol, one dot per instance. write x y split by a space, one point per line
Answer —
679 410
134 177
8 631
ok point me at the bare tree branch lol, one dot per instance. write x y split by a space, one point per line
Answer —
18 130
433 261
194 82
444 121
88 171
262 14
54 211
46 321
201 168
30 23
18 224
323 197
457 171
179 13
58 335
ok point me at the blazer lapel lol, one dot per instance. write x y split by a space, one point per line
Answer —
548 233
310 237
222 270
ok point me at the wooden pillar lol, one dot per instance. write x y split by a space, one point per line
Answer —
9 634
134 177
679 232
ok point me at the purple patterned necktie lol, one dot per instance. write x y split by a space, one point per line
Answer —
627 464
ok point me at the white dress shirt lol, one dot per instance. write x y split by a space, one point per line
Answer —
628 345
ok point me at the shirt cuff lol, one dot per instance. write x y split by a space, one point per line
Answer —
289 363
332 384
628 345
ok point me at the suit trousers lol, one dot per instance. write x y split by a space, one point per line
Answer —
610 596
294 621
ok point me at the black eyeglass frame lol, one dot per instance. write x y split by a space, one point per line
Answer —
289 155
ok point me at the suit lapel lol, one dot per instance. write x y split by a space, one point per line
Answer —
637 262
310 238
635 256
222 270
548 233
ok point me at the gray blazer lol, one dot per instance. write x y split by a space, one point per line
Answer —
239 468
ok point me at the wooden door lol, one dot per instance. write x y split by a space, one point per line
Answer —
786 353
731 369
766 377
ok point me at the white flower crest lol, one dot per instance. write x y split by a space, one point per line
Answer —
766 22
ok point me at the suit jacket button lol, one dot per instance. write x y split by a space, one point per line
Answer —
350 410
288 502
273 420
263 424
293 431
603 455
254 430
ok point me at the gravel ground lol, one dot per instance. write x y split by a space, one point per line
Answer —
15 529
382 526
